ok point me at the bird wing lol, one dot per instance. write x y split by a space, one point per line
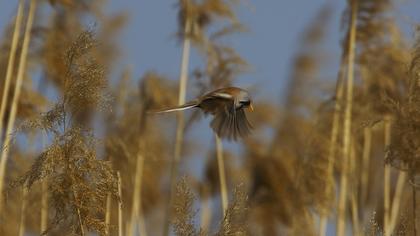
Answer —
215 101
230 123
213 104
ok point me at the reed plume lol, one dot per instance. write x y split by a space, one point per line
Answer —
76 177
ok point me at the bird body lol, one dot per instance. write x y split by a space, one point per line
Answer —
227 106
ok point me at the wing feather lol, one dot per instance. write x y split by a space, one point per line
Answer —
231 124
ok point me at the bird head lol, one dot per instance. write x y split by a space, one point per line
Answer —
245 101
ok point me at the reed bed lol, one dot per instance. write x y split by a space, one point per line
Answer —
341 153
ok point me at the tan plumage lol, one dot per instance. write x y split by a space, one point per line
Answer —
227 106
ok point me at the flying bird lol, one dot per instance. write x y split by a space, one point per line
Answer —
227 107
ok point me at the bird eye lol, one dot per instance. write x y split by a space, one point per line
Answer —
245 103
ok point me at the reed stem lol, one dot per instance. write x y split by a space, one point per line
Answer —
222 176
396 201
332 149
183 79
108 213
44 206
367 146
206 210
413 189
16 96
120 214
23 209
44 194
79 215
353 196
341 221
10 65
136 210
387 177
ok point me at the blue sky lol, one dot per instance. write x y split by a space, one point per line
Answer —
269 46
275 26
148 41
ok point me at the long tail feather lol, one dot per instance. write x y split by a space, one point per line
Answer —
186 106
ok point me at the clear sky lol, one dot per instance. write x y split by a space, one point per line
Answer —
148 41
274 28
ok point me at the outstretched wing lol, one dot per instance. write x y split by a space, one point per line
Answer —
215 102
230 123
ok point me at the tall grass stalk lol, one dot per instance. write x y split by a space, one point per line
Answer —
44 194
137 215
353 196
355 214
79 215
23 209
120 213
136 210
183 78
206 210
332 148
341 221
396 201
108 214
367 145
44 205
413 189
222 176
10 65
323 224
16 95
387 177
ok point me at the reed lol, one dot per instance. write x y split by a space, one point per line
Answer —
387 178
136 210
414 206
10 65
333 147
44 206
183 78
206 210
347 121
367 146
396 201
16 95
79 215
354 203
44 194
120 208
108 213
23 210
222 176
330 159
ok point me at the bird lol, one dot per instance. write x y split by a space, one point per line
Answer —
226 105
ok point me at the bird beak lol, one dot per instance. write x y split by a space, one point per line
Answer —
251 108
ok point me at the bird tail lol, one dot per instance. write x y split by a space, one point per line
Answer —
186 106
